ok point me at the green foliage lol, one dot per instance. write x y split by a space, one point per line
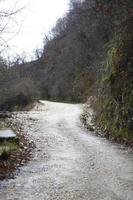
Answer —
115 103
7 146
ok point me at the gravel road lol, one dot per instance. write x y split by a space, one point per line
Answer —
68 162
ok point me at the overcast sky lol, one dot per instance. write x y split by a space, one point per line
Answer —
30 25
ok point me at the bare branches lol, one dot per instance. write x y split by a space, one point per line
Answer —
7 18
8 14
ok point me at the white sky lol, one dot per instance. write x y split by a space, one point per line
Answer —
36 19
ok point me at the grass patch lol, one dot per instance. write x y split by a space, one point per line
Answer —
2 125
7 147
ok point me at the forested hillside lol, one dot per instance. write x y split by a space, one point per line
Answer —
88 53
114 101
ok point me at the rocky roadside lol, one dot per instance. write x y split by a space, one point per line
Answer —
19 157
88 120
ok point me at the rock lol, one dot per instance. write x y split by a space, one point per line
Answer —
92 164
7 133
90 128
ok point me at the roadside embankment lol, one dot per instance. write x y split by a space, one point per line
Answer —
14 151
89 119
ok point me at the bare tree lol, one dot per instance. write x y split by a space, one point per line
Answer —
38 53
6 18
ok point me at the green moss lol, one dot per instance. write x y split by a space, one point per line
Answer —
6 148
114 105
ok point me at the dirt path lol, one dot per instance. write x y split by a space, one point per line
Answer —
69 163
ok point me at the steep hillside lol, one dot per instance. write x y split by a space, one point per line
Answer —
114 101
67 67
117 114
71 55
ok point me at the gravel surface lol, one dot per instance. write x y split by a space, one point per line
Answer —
68 163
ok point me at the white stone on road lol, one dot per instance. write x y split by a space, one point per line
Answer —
7 133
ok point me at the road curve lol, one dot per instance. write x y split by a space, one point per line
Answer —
68 162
